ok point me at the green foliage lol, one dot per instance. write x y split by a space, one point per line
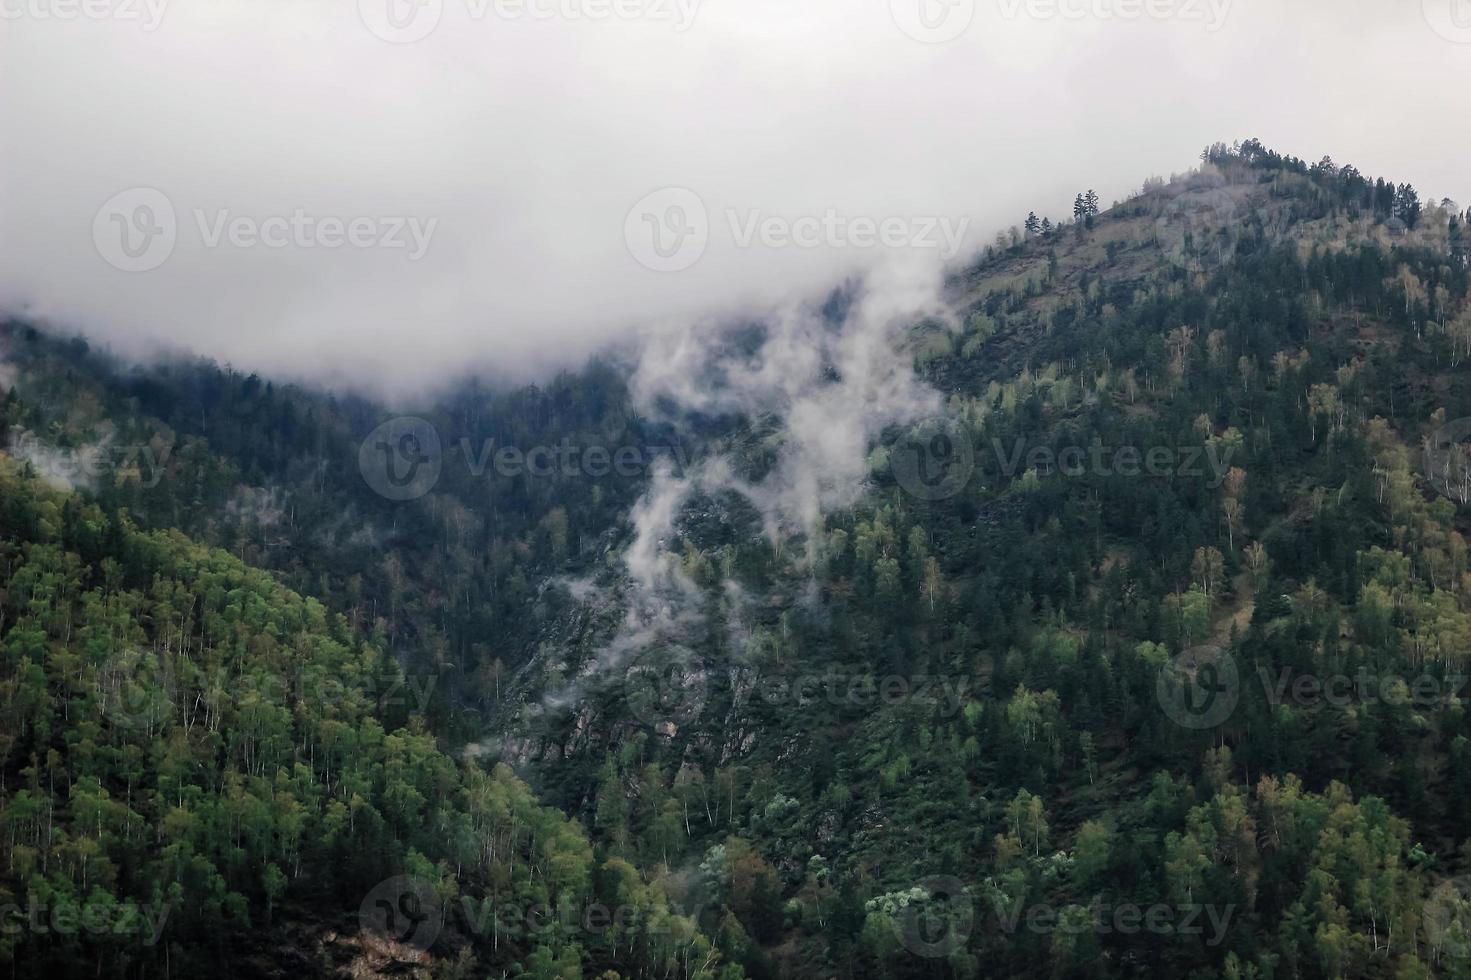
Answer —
188 736
1185 433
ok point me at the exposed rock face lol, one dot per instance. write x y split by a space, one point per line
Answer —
379 956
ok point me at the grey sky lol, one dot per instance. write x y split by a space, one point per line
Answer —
309 151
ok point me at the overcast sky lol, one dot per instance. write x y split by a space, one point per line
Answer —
395 192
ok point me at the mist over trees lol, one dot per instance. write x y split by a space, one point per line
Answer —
1188 444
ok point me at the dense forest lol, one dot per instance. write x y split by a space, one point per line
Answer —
1146 653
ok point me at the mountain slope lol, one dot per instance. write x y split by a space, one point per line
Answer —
1117 625
1256 352
204 768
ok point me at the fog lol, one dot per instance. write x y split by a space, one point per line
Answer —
391 195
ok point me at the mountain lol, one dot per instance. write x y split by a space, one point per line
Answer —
1108 617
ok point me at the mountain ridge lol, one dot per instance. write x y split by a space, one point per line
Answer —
1282 335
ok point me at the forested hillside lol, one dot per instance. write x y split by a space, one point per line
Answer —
1143 650
204 768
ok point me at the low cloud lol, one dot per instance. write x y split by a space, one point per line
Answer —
328 191
826 380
